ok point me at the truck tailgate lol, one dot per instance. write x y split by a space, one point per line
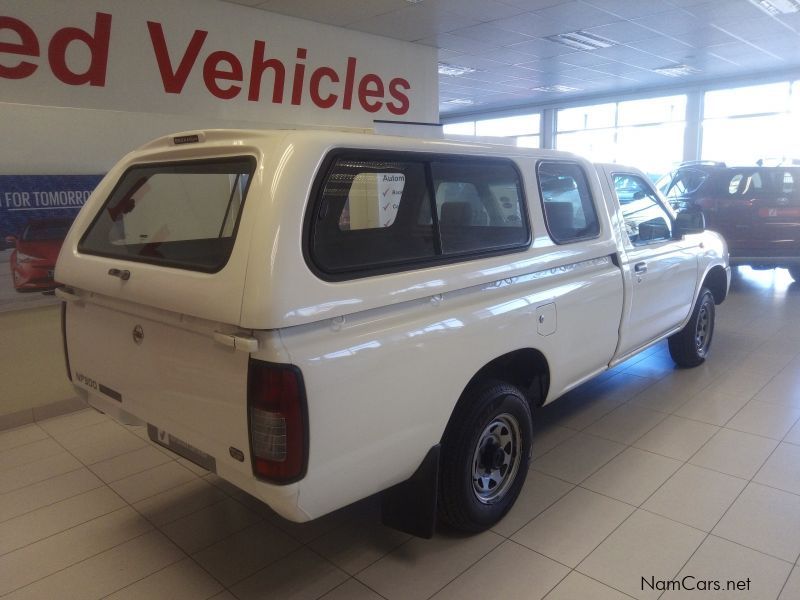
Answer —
162 367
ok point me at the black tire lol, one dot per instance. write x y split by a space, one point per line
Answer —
794 271
489 434
691 345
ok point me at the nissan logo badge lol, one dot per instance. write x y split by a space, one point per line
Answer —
138 334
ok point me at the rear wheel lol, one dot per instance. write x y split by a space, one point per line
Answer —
794 271
485 455
691 345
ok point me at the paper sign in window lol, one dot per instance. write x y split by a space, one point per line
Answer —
373 201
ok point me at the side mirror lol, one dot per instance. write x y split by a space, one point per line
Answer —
688 221
11 241
654 229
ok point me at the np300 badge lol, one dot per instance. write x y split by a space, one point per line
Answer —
138 334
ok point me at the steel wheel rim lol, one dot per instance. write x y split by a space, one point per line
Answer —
496 459
702 335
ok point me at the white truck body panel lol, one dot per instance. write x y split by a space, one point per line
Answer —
384 358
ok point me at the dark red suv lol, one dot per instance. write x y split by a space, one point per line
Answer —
756 209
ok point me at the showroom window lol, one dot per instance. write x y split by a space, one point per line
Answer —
746 124
465 128
521 130
647 133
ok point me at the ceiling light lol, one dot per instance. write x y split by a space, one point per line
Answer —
676 71
777 7
461 101
454 70
413 1
561 89
582 40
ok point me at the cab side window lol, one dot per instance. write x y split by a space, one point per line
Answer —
646 220
568 205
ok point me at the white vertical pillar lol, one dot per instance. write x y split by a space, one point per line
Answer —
693 135
548 128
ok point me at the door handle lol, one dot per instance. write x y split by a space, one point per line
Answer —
124 275
640 268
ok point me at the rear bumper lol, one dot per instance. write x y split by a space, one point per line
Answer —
283 499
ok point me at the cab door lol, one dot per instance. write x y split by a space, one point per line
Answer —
660 272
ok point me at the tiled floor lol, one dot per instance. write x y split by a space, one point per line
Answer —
648 471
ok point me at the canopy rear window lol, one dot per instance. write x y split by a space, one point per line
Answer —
182 215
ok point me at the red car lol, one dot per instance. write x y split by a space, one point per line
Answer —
756 209
35 252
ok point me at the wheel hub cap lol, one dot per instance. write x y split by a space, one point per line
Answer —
496 459
702 330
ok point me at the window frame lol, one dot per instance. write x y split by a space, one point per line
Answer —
439 258
248 158
591 199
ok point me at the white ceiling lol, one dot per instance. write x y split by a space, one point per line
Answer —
504 42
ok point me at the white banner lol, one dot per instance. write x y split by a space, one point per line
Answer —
209 58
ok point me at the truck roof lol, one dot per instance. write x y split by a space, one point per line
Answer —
333 137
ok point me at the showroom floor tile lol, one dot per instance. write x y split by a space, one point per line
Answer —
719 559
569 530
647 471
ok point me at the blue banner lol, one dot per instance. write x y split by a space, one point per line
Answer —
36 212
35 197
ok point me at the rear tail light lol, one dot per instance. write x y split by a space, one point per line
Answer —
278 425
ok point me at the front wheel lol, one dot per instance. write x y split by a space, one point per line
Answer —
691 345
485 455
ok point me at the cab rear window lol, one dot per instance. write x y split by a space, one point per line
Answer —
569 209
182 215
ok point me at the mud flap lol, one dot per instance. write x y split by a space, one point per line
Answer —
410 506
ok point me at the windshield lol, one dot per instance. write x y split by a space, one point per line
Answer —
181 215
45 230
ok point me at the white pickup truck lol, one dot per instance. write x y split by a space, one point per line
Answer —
321 316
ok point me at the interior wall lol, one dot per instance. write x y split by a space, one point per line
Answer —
76 141
81 141
32 369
